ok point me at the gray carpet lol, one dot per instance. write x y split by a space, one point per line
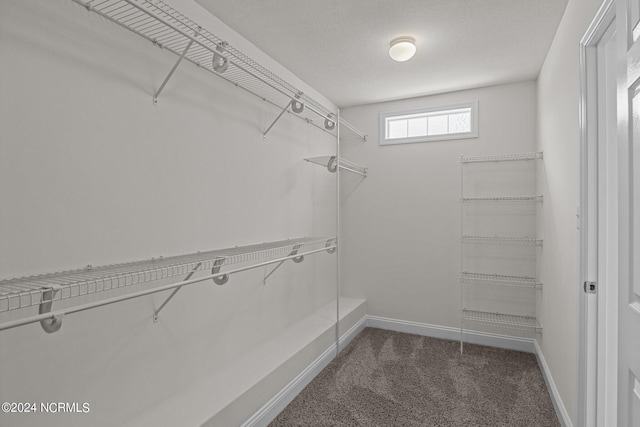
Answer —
386 378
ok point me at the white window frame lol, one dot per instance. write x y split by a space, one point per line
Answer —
473 133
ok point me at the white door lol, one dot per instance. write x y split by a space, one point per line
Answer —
628 30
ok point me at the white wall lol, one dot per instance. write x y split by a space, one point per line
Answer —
401 225
92 173
558 137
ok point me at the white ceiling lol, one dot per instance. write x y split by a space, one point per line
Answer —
340 47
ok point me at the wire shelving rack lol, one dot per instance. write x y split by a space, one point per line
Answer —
19 294
169 29
474 312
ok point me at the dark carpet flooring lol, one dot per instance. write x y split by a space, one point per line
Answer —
386 378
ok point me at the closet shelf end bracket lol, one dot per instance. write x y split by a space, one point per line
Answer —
53 323
175 291
296 259
175 66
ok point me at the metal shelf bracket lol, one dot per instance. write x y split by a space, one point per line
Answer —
175 66
297 260
54 323
331 246
329 123
332 165
175 291
220 280
220 63
284 110
296 106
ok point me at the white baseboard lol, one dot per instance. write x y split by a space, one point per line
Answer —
561 411
491 340
352 333
271 409
277 403
448 333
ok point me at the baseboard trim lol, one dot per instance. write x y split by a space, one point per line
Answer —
277 403
352 333
271 409
448 333
561 411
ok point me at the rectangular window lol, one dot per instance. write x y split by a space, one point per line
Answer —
429 124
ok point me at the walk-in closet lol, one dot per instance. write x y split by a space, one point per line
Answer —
289 213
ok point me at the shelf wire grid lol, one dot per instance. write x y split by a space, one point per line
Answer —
499 279
30 291
502 158
506 199
507 240
169 29
508 320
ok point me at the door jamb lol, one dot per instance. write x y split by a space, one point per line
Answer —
590 404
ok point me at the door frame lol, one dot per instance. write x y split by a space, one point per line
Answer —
597 357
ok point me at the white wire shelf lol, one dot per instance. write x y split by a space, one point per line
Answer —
508 320
515 157
329 162
499 279
506 240
507 199
24 292
169 29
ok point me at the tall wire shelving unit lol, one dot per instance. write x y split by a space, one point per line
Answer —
499 245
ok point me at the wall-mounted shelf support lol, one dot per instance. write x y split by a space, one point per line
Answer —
175 291
54 323
284 110
175 66
217 264
329 122
296 259
220 63
331 246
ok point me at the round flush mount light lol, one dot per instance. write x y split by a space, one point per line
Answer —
402 48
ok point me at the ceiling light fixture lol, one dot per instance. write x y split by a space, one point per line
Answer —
402 48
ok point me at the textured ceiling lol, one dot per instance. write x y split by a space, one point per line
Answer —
340 47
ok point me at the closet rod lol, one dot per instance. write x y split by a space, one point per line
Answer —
57 315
